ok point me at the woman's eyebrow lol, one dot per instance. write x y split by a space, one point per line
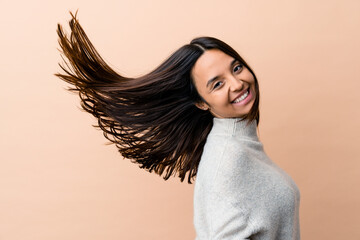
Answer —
211 81
216 77
233 62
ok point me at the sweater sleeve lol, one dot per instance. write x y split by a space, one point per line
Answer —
228 222
230 215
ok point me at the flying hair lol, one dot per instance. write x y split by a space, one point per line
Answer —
152 119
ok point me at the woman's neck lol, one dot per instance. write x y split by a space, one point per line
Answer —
235 127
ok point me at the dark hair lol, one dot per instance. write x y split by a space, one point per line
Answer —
152 119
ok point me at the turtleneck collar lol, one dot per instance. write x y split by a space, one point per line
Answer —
235 127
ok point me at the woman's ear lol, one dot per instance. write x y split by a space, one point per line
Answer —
202 106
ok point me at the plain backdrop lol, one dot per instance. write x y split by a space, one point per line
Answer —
59 179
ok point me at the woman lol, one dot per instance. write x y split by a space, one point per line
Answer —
197 114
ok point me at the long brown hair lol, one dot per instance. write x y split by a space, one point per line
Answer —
152 119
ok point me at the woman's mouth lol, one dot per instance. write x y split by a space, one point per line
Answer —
243 98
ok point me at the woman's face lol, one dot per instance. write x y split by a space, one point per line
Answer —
227 86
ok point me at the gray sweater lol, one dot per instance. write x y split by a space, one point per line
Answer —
239 192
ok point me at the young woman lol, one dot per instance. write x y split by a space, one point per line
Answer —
197 114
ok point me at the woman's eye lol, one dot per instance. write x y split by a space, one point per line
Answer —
217 85
238 67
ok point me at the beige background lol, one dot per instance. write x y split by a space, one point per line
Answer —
58 179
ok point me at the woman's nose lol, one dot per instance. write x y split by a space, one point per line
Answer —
236 84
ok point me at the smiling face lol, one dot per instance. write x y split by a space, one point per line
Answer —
225 84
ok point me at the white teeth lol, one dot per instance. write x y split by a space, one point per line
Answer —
242 97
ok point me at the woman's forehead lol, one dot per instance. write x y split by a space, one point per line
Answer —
211 63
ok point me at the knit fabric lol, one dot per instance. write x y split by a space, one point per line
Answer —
239 192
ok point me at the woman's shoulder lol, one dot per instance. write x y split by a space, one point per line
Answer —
223 156
228 147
